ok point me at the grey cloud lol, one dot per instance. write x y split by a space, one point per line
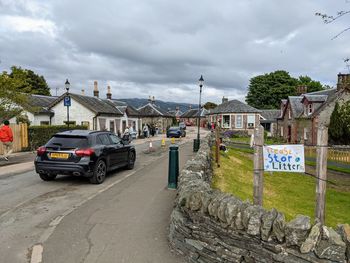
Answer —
146 47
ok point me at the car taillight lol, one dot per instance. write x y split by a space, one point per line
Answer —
84 152
41 150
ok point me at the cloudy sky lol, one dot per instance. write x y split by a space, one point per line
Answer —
160 48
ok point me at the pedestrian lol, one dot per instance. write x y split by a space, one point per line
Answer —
6 137
145 131
126 134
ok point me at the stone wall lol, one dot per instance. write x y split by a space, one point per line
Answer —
210 226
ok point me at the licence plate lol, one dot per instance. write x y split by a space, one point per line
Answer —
59 155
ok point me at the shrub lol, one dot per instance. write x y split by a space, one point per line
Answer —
228 134
39 135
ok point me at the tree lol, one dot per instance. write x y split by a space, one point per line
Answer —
210 105
266 91
10 98
30 82
311 85
336 129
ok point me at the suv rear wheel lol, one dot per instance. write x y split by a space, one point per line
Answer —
47 177
100 171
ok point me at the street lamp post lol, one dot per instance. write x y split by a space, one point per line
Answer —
196 142
67 101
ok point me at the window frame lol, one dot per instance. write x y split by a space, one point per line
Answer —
241 121
252 116
226 124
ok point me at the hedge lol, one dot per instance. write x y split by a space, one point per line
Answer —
39 135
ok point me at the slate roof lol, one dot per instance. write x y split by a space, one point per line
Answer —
234 106
296 106
315 98
322 92
96 105
270 115
193 113
331 97
39 104
175 113
124 107
152 110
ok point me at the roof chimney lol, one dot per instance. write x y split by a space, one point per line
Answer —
149 99
153 100
109 94
96 92
83 92
224 99
301 90
177 108
343 81
190 107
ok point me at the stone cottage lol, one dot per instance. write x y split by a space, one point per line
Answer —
235 115
153 115
301 115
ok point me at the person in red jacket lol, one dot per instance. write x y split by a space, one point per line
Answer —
6 137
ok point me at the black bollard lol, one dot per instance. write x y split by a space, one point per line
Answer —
173 172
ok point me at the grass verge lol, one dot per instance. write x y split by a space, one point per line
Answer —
290 193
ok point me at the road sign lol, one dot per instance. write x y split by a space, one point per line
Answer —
67 101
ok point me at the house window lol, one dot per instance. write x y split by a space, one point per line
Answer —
289 114
250 121
44 123
226 121
309 109
239 121
281 132
111 126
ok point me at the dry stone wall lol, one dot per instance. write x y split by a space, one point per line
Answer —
210 226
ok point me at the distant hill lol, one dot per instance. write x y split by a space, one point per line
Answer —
137 103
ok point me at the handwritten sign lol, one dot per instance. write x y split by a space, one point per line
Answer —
284 158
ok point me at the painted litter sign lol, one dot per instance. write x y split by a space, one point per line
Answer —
284 158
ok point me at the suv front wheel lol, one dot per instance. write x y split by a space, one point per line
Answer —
131 160
100 171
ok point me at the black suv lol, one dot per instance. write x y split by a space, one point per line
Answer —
83 153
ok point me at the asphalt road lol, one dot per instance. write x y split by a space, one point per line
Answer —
67 214
127 223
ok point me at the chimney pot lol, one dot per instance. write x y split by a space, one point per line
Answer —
83 92
96 92
224 99
109 93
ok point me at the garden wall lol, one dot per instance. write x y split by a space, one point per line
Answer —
210 226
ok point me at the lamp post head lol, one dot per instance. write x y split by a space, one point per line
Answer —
67 85
201 81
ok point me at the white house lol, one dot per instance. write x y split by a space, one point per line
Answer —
35 109
95 113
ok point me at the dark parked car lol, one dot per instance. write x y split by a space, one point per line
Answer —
176 132
83 153
182 125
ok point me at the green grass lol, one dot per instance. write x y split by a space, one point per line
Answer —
290 193
331 167
246 140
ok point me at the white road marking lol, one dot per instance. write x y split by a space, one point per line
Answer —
37 254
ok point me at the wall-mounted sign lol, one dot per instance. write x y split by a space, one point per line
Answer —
284 158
